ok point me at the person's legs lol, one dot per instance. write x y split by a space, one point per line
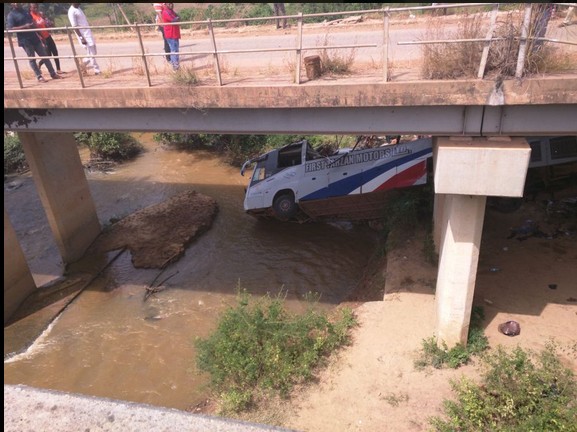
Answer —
174 57
41 51
277 13
29 49
53 51
166 46
283 12
91 51
569 16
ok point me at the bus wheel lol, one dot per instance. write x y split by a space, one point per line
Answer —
284 207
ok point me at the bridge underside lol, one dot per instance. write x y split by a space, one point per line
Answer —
523 120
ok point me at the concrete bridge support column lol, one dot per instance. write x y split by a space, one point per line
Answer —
18 281
467 170
63 189
462 229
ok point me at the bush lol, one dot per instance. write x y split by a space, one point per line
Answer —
260 347
440 357
14 158
335 61
462 60
110 145
521 391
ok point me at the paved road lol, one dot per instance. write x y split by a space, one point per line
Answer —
198 46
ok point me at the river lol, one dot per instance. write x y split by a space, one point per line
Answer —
112 343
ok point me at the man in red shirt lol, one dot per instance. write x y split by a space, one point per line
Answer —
172 33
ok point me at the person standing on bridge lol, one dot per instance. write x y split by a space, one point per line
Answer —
42 22
19 19
279 10
78 19
158 7
172 33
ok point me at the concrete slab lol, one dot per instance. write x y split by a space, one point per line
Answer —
31 409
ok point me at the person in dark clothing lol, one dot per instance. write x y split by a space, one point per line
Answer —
42 22
279 10
158 7
20 19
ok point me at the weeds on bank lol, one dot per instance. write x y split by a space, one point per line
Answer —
334 61
462 60
185 76
520 391
259 348
439 357
406 209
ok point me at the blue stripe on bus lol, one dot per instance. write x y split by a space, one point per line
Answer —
349 184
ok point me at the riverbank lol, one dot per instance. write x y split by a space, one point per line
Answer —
373 384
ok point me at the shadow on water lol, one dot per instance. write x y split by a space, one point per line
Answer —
128 333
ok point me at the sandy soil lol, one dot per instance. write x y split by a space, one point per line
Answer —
372 385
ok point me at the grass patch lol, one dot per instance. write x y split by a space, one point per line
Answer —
406 209
520 391
259 348
185 76
395 400
109 146
336 61
441 356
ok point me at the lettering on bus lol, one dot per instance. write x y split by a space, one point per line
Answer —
358 158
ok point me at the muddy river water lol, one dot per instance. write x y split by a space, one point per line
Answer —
110 342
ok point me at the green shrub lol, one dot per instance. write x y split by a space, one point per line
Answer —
439 357
14 158
114 146
520 391
185 76
259 347
406 209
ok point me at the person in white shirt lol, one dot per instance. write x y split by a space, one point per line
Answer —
78 19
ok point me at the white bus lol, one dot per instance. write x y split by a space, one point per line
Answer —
296 181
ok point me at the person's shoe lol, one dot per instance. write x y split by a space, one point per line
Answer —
41 79
59 72
97 73
56 76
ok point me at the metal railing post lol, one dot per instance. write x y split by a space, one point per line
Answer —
143 54
215 52
299 48
488 39
386 23
15 61
523 42
76 60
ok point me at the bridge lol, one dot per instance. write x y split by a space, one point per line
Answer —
478 125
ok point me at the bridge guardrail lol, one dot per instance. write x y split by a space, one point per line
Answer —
386 13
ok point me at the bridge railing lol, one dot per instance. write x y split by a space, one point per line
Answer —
298 49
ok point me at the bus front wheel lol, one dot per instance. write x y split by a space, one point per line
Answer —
284 207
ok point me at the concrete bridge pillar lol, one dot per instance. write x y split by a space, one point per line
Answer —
63 189
18 281
467 170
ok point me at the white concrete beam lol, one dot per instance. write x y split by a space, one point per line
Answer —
481 166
